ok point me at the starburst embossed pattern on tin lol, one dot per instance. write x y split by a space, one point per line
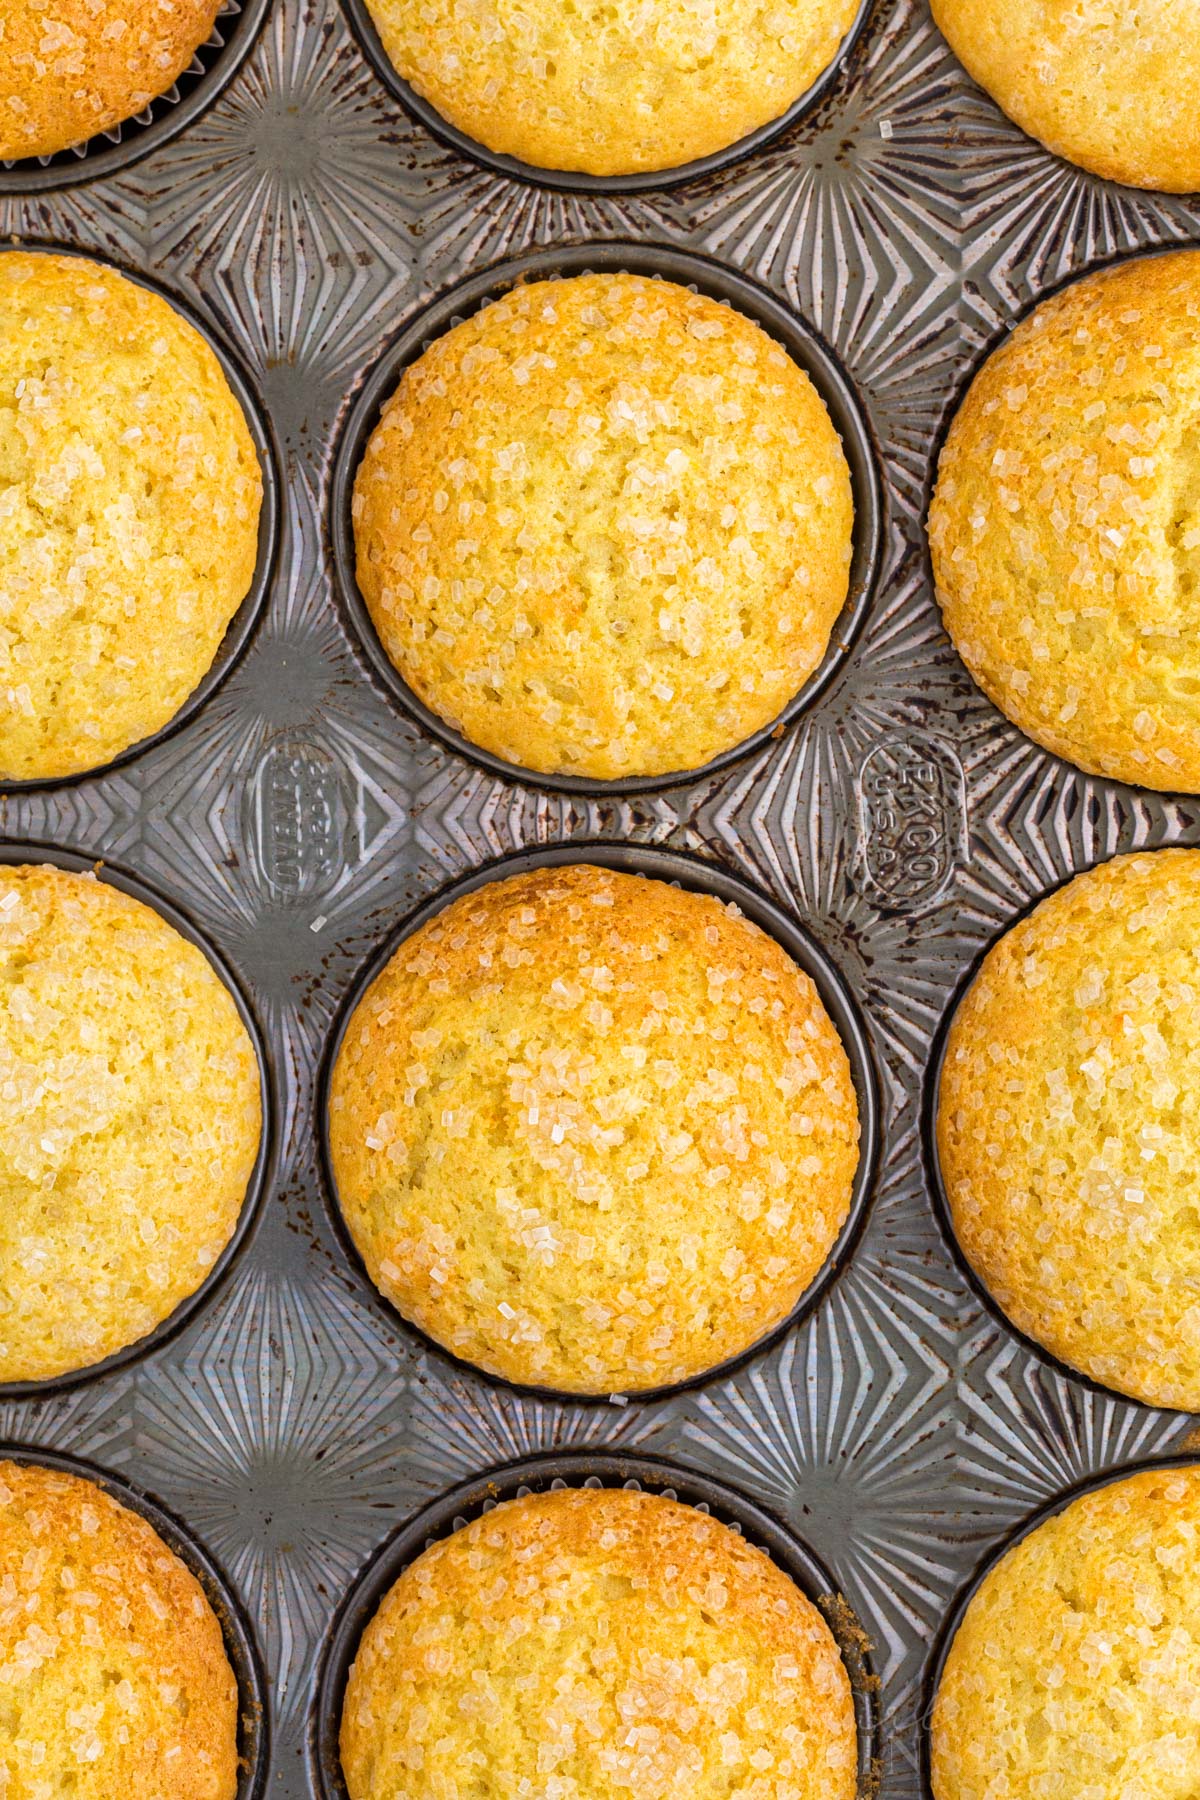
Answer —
302 813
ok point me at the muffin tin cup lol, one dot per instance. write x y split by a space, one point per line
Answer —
240 1645
698 877
15 854
576 181
940 1199
214 65
579 1469
245 621
992 1557
704 276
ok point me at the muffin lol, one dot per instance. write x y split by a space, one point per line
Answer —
1076 1667
72 68
1065 525
592 1132
129 503
603 527
591 1642
1112 87
114 1679
612 89
1068 1125
130 1120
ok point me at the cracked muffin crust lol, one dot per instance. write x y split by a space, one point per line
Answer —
1111 86
1068 1125
130 1118
1065 526
611 87
1076 1668
592 1132
114 1677
72 68
604 527
130 494
598 1642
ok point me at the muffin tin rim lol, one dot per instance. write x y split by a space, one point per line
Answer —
237 1631
993 1555
252 609
938 1195
581 1468
16 853
27 175
848 1016
570 181
652 260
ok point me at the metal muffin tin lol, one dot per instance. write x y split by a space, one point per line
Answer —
545 1474
686 872
240 1647
657 262
300 816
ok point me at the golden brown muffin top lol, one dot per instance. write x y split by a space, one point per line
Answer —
114 1679
612 87
129 502
603 527
130 1118
617 1641
591 1131
1111 86
1076 1668
1066 524
1069 1125
72 68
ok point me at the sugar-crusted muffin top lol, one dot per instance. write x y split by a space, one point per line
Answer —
114 1678
611 1640
72 68
1065 526
604 527
591 1131
612 88
130 1118
1076 1668
1068 1125
1113 87
130 494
